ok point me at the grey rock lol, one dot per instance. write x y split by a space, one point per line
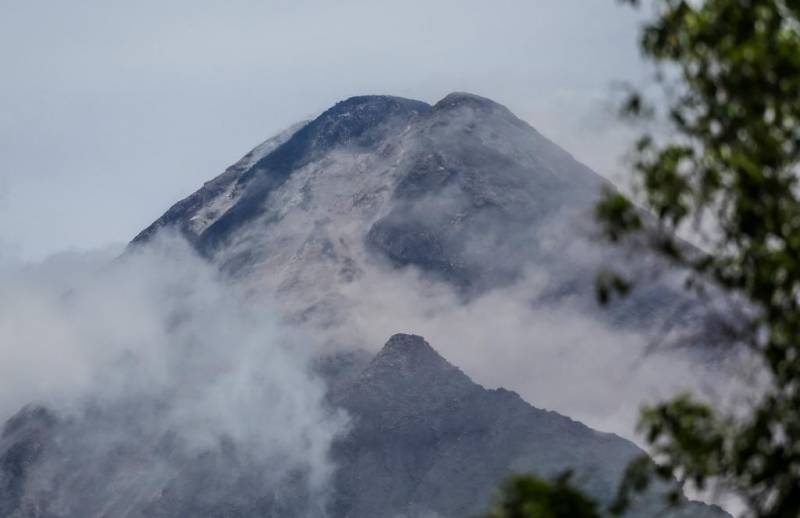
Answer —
425 441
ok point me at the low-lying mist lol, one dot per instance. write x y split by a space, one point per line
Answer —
153 358
156 365
555 354
543 335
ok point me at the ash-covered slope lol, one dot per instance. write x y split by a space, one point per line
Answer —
194 214
425 441
462 190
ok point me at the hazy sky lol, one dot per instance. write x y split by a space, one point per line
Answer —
111 111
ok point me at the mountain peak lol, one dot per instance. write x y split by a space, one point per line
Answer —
408 346
363 111
406 354
379 100
458 99
362 120
408 375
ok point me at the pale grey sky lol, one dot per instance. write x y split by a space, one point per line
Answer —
111 110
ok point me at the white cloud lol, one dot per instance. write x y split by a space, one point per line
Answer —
158 326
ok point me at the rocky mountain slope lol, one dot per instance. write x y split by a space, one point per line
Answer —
425 441
462 191
378 208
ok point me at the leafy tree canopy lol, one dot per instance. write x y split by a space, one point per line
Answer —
727 170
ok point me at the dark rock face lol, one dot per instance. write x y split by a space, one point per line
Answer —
426 441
